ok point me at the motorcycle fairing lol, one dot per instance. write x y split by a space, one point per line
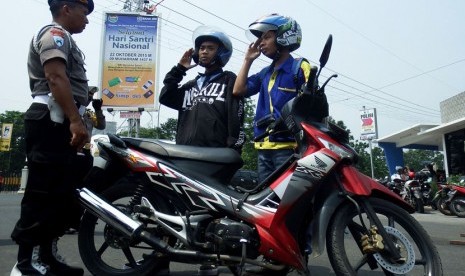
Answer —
290 222
260 210
351 177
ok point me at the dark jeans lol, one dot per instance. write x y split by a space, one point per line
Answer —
270 160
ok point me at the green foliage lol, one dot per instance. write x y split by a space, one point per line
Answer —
166 131
249 154
15 159
415 158
456 179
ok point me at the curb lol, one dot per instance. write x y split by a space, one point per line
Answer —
458 242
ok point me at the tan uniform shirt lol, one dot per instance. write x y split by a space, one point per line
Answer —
52 41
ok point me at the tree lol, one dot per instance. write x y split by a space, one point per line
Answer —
14 159
249 154
166 131
416 159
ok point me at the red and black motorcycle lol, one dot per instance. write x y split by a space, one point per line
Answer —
172 202
456 200
441 197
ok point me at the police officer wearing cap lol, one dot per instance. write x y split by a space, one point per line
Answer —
54 133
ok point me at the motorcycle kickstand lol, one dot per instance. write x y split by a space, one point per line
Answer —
240 267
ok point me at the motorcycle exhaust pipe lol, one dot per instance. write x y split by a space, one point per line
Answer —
109 214
120 221
134 230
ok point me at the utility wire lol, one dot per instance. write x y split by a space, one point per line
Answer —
401 101
241 51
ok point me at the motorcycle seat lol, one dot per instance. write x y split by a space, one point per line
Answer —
168 150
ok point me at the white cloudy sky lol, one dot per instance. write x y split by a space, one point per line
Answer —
401 57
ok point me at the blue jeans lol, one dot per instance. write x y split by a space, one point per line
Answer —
271 160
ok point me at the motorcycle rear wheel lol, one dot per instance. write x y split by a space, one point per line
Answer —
105 251
457 206
413 242
442 207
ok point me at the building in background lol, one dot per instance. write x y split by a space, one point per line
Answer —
448 137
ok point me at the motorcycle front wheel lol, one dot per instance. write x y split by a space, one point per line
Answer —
412 241
457 206
105 251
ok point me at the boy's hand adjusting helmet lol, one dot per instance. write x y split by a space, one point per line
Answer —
209 33
288 31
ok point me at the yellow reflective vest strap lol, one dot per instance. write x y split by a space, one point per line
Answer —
267 145
305 66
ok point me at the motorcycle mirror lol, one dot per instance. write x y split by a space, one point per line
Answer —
326 50
325 54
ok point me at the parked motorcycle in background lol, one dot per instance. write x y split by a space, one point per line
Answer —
414 195
408 190
398 187
425 181
441 197
456 201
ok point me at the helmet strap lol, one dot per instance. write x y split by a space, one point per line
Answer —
277 55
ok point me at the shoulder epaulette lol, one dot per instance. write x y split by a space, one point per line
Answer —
35 40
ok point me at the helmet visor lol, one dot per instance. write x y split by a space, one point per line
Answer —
259 28
250 36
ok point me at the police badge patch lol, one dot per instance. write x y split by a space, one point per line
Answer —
58 36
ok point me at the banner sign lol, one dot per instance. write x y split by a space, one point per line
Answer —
129 115
7 130
129 60
369 125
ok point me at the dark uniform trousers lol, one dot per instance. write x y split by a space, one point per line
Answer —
49 201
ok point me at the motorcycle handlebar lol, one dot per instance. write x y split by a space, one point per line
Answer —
312 82
275 127
261 136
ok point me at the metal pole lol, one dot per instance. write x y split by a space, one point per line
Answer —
371 159
24 176
137 127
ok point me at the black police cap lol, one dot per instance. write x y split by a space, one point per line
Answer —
88 3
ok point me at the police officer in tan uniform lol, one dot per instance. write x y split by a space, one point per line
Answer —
54 133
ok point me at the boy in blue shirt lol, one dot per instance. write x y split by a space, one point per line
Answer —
276 84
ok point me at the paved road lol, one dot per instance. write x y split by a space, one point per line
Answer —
441 228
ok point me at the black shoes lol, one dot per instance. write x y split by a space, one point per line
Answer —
43 260
29 262
49 255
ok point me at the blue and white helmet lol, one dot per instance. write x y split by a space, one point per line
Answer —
288 31
210 33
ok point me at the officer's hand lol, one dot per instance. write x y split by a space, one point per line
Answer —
97 104
79 134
